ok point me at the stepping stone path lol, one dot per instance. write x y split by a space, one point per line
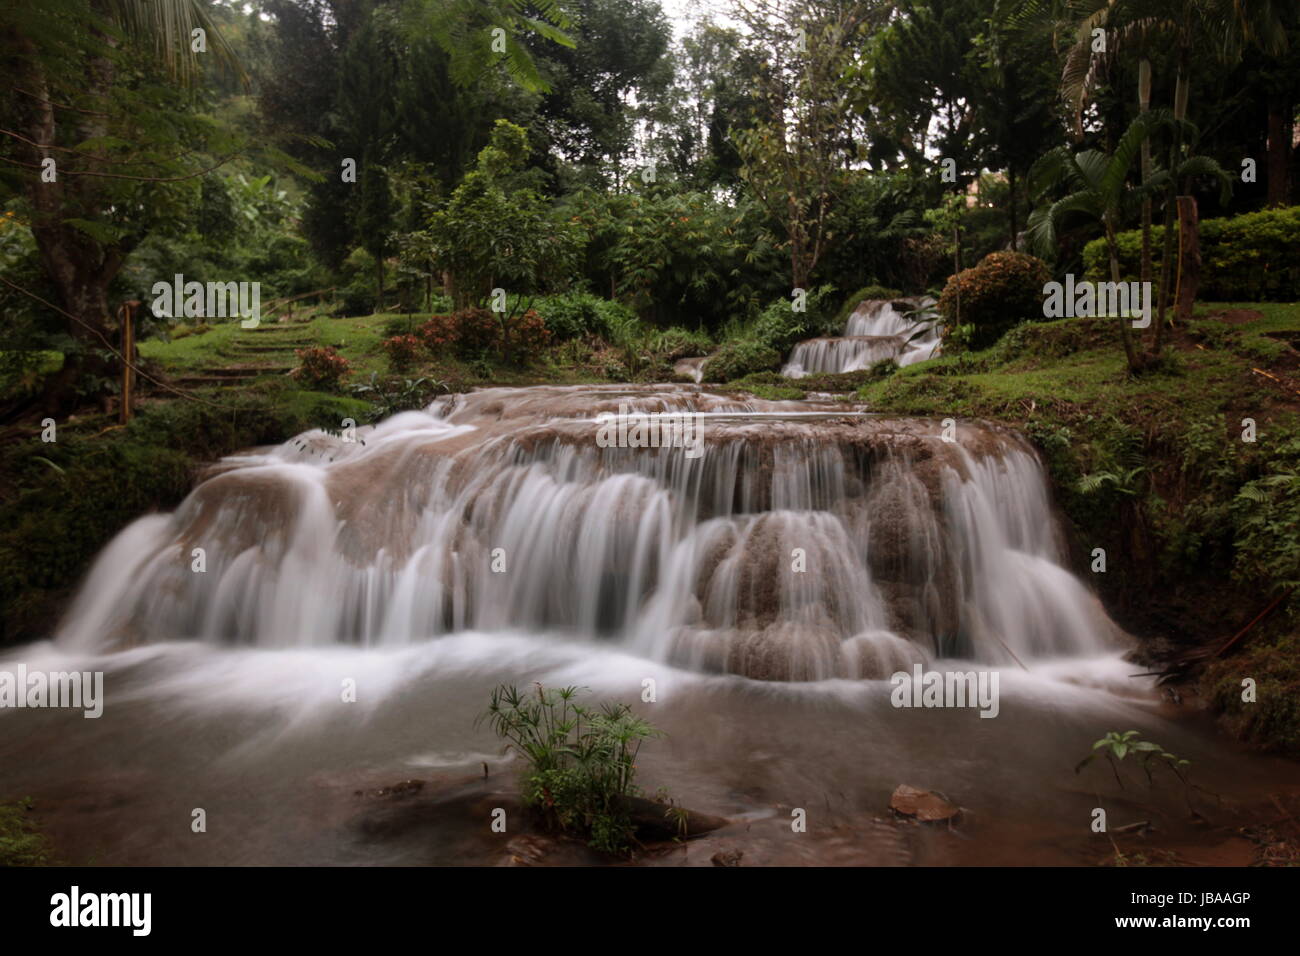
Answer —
267 349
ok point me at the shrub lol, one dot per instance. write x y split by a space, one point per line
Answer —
677 343
738 358
387 398
474 333
322 368
402 351
580 314
400 325
996 294
438 334
1254 257
21 843
581 762
522 337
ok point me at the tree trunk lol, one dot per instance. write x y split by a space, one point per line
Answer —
1125 335
1171 199
1011 195
79 267
1189 258
1279 152
1144 105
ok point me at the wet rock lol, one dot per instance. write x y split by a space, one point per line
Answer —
661 821
924 805
728 856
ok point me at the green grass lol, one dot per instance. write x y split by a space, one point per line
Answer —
21 841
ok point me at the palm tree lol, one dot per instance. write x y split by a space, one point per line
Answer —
1225 27
1099 188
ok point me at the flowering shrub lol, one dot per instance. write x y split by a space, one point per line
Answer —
1004 288
470 333
528 335
402 351
438 334
321 368
477 331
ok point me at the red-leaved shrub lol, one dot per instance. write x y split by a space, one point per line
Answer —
321 367
402 351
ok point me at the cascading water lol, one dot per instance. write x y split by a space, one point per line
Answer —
802 542
358 600
878 329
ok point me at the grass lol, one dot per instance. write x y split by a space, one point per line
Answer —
358 339
21 841
581 761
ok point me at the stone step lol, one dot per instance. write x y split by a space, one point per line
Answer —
286 347
239 371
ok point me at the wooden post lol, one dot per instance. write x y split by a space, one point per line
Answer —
128 352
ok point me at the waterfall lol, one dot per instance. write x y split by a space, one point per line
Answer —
806 542
878 329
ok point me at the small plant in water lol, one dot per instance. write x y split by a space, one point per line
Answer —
581 761
1116 745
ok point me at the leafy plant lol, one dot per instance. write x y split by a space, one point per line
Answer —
1003 289
402 350
389 398
1117 745
321 368
581 761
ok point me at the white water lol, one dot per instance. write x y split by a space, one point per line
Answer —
876 330
911 547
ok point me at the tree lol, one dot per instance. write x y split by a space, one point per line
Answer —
497 232
105 144
796 149
1098 184
1225 27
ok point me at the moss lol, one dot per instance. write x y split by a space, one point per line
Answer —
1272 721
21 842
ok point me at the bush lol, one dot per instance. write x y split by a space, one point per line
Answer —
580 314
474 333
581 762
678 343
438 334
400 325
1254 257
1003 289
322 368
402 351
738 358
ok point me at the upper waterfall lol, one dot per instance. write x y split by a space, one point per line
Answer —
806 541
878 329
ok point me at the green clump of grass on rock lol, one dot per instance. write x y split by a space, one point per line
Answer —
581 769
